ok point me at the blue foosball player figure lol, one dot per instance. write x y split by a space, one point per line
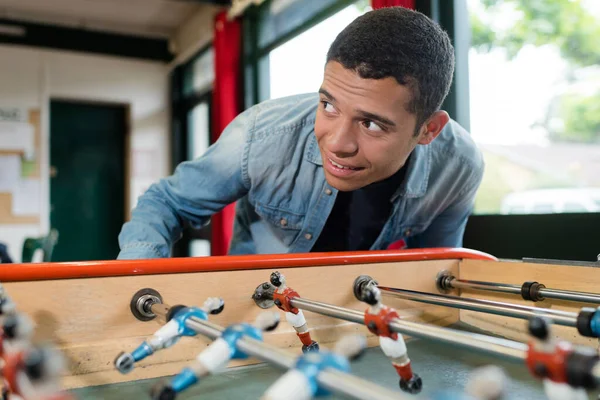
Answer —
217 355
170 333
301 383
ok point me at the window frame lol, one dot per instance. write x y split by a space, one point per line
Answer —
181 106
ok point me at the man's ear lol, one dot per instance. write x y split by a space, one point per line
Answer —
433 126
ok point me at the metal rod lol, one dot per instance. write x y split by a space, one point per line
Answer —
160 310
333 380
558 294
507 349
489 286
564 318
356 388
570 295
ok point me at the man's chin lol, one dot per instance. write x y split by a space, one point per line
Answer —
343 185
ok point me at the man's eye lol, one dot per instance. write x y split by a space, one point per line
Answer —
327 106
372 126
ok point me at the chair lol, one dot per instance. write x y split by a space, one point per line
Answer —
4 256
44 243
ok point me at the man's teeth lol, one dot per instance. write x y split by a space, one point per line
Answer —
339 165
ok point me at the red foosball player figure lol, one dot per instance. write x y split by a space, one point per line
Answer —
15 337
281 297
34 374
377 320
551 360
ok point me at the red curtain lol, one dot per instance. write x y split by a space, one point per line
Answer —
391 3
225 107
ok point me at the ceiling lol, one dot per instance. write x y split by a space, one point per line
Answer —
155 18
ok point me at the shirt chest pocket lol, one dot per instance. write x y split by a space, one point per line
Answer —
285 225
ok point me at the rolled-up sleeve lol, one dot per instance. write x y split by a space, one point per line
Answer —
197 190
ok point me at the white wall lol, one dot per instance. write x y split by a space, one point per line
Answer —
194 34
31 77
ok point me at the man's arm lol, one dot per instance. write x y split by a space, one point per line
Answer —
448 228
197 190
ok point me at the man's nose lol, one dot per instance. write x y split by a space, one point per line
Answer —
342 141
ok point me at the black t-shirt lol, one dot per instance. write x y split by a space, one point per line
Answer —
358 216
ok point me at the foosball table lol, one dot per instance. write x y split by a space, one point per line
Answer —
422 324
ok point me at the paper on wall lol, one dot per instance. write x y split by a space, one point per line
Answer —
26 198
10 172
17 136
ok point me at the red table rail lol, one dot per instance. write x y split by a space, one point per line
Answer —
94 269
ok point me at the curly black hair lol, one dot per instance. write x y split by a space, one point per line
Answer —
404 44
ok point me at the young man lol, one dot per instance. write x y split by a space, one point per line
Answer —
355 167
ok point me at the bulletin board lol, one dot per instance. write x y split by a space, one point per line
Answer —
28 176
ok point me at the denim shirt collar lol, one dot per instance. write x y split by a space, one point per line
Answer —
417 176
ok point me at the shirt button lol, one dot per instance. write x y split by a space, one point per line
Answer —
328 192
407 232
308 236
283 222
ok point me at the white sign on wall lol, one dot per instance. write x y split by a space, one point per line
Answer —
13 114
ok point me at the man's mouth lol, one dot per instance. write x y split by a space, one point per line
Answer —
340 166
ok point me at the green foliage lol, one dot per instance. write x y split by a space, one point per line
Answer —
581 116
363 5
482 37
563 23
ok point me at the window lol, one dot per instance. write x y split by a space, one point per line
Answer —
297 66
542 209
574 207
534 77
197 240
198 130
199 74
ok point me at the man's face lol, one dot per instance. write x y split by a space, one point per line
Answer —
364 131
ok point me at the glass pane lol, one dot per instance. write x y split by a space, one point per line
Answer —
534 77
199 74
303 57
198 130
283 16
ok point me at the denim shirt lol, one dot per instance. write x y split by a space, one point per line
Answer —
268 160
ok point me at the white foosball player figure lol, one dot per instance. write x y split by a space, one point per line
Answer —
7 306
487 383
16 335
377 320
217 355
281 297
170 333
484 383
562 391
301 382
